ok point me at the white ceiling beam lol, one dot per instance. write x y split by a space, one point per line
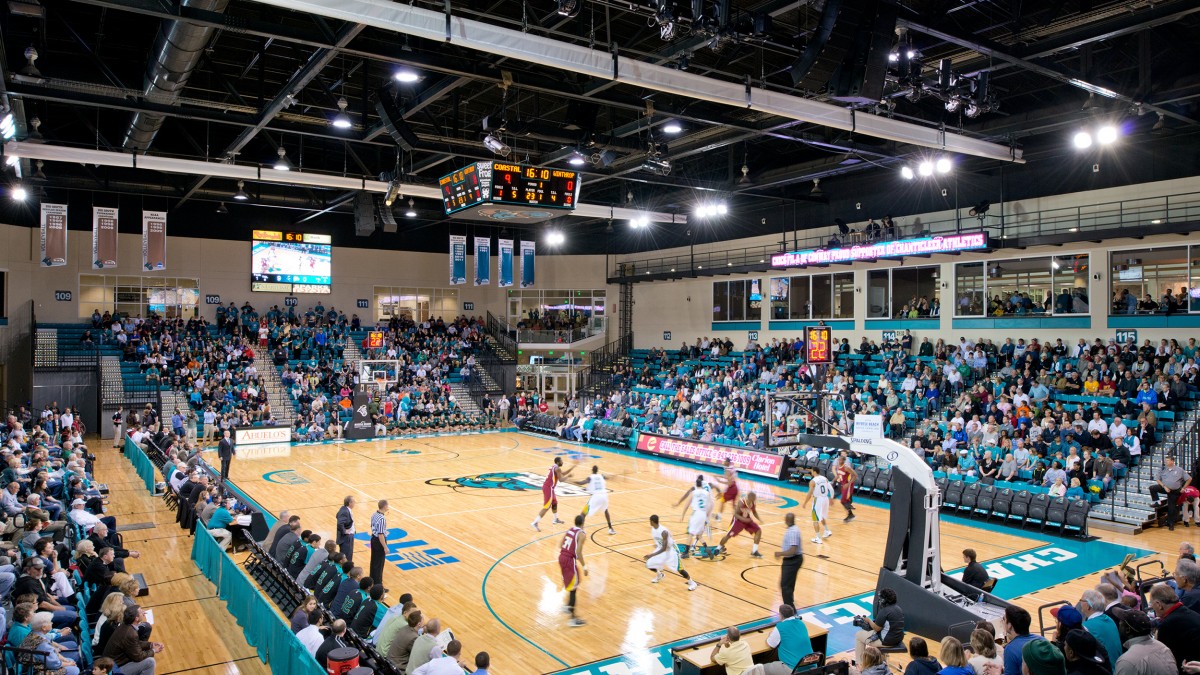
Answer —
259 174
418 22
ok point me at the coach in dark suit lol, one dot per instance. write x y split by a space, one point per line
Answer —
345 528
225 451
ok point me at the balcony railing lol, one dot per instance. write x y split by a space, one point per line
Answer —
1146 214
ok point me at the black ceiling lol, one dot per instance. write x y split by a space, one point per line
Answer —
94 55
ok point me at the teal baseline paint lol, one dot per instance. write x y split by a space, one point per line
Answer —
284 477
1019 574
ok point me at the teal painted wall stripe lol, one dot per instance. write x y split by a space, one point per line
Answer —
797 325
1053 322
903 324
1155 321
736 325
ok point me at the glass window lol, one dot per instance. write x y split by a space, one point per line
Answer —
801 305
843 295
914 291
878 303
1071 277
167 297
780 287
754 299
1151 281
1019 287
737 301
721 301
822 296
969 290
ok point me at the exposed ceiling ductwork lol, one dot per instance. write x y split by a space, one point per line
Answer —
492 39
176 51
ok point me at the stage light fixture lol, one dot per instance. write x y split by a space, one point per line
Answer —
672 127
241 195
925 168
496 145
554 237
953 104
8 126
342 120
943 165
906 173
406 75
19 193
1082 140
577 159
281 163
1107 134
222 209
568 8
816 189
411 212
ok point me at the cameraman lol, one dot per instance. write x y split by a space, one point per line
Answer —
887 627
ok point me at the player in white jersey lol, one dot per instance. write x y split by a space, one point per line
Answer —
665 556
702 504
598 501
823 489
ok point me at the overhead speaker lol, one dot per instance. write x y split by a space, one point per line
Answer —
385 215
364 215
823 53
392 119
863 71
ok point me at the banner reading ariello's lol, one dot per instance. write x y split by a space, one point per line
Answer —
483 261
528 259
506 262
54 235
104 237
154 240
458 259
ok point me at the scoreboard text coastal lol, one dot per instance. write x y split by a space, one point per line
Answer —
503 183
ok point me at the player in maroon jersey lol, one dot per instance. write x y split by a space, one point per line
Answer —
570 553
744 513
729 480
846 477
549 499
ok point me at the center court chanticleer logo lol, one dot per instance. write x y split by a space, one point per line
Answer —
519 481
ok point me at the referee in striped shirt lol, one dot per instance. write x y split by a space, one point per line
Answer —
793 558
379 542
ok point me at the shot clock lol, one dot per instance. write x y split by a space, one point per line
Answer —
818 344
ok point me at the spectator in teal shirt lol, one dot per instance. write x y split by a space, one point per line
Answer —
218 526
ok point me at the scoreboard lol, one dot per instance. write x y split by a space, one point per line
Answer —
818 344
509 192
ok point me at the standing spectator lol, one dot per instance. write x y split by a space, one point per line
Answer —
1171 481
379 541
226 451
345 528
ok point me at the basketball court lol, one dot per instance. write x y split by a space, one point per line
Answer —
461 543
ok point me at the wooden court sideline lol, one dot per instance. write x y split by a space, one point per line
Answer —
460 517
200 636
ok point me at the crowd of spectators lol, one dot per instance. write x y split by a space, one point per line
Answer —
1068 418
62 557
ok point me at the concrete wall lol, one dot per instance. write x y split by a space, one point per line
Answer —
223 268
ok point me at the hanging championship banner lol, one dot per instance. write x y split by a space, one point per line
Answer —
154 240
505 247
54 235
458 259
483 261
104 237
528 250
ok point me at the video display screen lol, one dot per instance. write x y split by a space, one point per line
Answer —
287 262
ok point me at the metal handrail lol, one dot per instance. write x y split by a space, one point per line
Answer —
1081 219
